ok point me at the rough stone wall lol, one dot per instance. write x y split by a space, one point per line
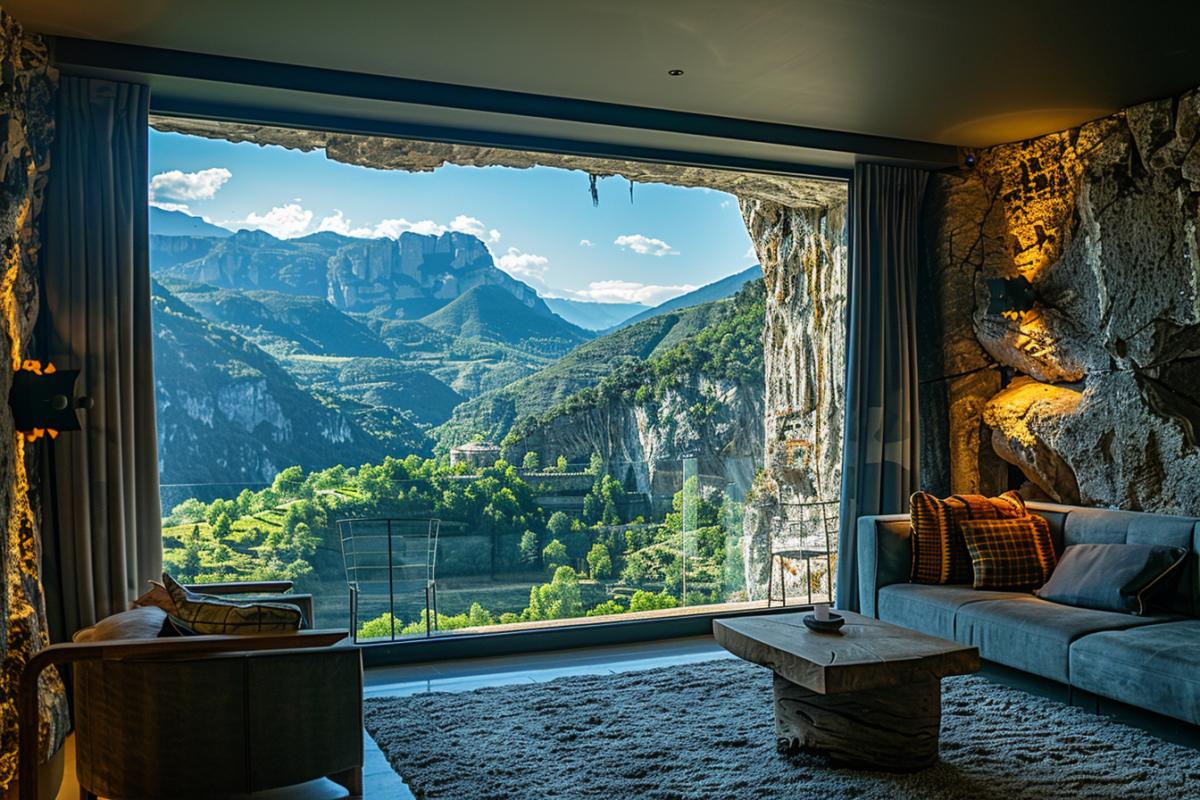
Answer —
26 93
1094 394
803 254
379 152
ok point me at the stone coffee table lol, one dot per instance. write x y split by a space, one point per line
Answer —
869 696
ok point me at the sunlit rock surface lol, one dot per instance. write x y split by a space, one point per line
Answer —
1102 220
803 256
26 103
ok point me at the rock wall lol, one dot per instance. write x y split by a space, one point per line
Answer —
26 93
1093 394
411 155
803 254
645 444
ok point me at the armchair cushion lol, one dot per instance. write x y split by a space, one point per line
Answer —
136 623
206 614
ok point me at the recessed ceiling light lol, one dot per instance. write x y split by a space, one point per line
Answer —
674 73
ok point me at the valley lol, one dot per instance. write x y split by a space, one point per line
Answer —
304 380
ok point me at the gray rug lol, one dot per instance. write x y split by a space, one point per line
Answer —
706 731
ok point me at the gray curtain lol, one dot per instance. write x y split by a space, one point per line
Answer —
881 446
101 516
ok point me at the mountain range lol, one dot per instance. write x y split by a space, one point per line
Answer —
328 349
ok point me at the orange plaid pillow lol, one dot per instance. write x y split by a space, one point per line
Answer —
939 553
1010 553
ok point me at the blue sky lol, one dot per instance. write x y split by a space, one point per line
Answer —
539 223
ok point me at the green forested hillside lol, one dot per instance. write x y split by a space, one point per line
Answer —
228 412
717 290
493 414
282 324
726 346
491 314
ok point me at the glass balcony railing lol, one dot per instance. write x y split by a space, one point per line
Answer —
574 545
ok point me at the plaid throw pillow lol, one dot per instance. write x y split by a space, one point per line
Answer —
206 614
939 552
1010 553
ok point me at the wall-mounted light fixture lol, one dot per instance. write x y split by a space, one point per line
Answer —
43 400
1009 297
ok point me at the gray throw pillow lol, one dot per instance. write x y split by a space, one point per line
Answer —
1111 577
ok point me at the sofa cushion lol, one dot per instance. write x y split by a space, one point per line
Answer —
930 609
939 553
136 623
1035 635
1113 577
1100 526
206 614
1009 553
1152 666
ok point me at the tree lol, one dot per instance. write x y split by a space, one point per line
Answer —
561 464
216 508
559 524
607 607
222 527
561 598
595 464
189 568
649 601
599 561
478 616
528 548
531 461
554 556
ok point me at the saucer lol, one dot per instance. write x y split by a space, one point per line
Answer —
831 625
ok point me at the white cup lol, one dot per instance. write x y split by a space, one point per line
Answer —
821 612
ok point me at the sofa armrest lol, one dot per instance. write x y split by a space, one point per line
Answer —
884 557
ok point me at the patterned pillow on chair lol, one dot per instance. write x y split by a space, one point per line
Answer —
939 552
1010 553
206 614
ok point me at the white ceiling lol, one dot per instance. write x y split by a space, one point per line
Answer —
951 71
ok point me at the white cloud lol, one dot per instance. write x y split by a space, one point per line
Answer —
339 223
631 292
645 245
392 228
586 243
725 203
282 222
178 185
464 224
171 206
523 265
750 252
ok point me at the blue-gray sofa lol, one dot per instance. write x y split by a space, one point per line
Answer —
1151 661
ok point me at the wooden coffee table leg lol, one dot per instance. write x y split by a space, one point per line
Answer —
894 729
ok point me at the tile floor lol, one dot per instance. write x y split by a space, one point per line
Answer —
380 782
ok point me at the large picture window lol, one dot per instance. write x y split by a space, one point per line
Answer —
484 397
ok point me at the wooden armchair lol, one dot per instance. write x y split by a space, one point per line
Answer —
203 716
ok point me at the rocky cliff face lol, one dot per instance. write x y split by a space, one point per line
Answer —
26 106
403 278
1094 393
718 422
228 413
803 256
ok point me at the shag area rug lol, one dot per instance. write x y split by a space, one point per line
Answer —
706 731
